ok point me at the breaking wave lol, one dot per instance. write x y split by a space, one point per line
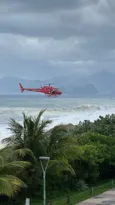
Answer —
64 111
85 107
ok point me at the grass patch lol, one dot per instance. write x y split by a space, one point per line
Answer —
76 197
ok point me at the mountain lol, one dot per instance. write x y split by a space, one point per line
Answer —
98 84
104 81
86 90
68 85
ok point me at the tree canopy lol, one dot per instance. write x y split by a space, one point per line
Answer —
79 156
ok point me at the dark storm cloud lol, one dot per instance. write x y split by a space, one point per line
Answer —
56 36
43 18
44 6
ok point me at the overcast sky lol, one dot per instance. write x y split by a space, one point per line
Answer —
45 38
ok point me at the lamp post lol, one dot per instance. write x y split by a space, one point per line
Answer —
44 159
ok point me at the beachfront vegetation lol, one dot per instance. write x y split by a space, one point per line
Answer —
10 168
80 156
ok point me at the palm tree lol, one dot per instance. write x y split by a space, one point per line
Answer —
10 184
30 135
33 138
27 140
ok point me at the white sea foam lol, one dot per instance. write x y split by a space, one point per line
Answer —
60 111
58 115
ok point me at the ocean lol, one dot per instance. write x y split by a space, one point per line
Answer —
59 109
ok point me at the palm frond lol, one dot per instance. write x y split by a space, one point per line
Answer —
15 127
44 124
60 165
39 124
9 185
9 140
24 152
12 167
38 118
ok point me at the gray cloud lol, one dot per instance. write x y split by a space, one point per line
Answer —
44 6
48 38
57 19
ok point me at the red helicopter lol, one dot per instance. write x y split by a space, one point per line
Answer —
47 90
